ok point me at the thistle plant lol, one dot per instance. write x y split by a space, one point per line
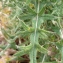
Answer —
38 20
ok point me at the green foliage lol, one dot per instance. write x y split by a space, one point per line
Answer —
44 28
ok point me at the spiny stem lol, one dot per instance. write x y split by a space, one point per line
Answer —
34 37
36 21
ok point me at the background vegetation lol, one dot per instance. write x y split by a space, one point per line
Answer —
33 31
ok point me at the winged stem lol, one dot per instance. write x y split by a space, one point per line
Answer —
34 39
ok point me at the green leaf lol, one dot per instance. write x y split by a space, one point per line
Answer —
41 49
30 10
41 21
42 11
59 45
26 27
24 47
24 33
26 16
36 4
2 52
7 35
34 23
28 1
46 31
50 62
22 52
43 35
48 17
3 46
56 29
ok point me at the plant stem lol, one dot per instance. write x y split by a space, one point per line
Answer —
61 54
43 58
34 39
